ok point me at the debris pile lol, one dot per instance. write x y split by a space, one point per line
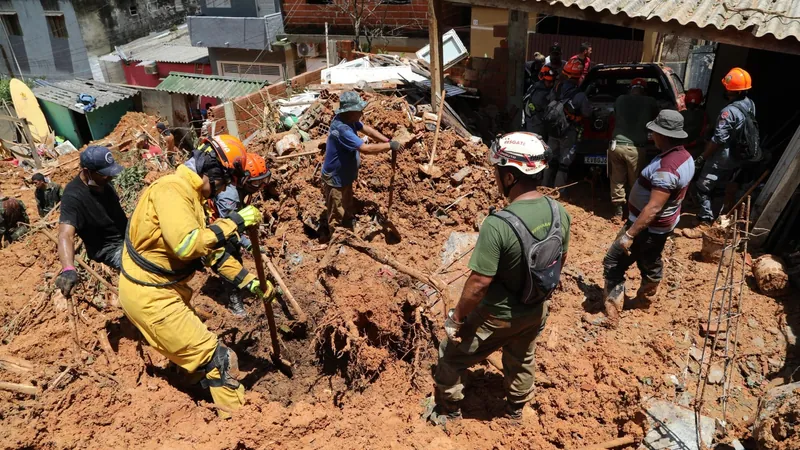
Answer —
128 130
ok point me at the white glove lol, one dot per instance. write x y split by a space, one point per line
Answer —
451 327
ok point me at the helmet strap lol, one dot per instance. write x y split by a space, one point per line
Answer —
507 189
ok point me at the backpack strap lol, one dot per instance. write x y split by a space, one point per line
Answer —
555 224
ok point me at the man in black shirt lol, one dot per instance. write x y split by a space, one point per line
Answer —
91 208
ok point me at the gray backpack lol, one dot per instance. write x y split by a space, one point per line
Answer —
543 259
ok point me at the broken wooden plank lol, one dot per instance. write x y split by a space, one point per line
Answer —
14 364
19 388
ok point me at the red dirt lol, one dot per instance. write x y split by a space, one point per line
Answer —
591 381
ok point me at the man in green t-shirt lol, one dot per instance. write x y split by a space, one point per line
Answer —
490 314
627 156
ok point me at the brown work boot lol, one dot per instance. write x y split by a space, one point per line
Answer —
697 232
647 293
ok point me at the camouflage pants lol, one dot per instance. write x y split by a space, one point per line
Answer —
481 335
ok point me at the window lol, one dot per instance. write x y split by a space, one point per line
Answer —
258 71
133 10
50 5
11 23
58 26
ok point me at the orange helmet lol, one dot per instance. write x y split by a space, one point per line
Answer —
694 96
737 80
573 68
547 74
230 151
256 167
639 83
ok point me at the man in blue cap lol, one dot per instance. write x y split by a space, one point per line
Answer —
343 157
90 207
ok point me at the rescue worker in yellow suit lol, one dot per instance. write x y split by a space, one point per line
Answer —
166 242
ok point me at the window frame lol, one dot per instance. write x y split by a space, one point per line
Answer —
61 32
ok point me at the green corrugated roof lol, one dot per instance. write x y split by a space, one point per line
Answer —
208 85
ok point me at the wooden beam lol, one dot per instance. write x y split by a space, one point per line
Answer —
437 58
515 80
778 191
37 162
742 38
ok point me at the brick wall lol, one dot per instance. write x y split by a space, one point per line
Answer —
249 109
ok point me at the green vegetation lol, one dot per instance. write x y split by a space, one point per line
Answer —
129 184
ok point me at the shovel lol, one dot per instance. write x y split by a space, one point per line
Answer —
284 365
429 169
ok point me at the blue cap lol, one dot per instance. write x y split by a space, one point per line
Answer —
99 159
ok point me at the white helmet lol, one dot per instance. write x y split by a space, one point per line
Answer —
524 151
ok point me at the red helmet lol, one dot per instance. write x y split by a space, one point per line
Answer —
639 83
573 68
694 96
737 80
547 74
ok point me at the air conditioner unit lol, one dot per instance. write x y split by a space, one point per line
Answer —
150 68
307 50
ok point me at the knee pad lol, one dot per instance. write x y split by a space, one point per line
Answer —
224 359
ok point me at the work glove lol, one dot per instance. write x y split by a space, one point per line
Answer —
698 164
624 241
250 215
395 146
267 294
451 327
66 281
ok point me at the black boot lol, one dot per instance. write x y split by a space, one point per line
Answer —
236 305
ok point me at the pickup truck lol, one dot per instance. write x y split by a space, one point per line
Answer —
606 82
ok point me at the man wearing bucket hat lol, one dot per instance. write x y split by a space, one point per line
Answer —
516 266
654 209
90 208
343 157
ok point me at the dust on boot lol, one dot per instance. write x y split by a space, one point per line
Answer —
236 304
647 293
614 299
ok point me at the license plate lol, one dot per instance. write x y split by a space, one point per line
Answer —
595 159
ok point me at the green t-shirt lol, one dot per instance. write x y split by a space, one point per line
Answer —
631 114
498 254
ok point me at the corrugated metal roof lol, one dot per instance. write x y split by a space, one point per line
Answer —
208 85
169 46
780 18
65 93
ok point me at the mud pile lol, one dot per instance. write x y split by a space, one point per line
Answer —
375 321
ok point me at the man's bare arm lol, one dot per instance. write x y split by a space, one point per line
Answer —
66 245
474 290
373 149
657 201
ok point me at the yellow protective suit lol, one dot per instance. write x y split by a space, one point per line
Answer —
168 228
